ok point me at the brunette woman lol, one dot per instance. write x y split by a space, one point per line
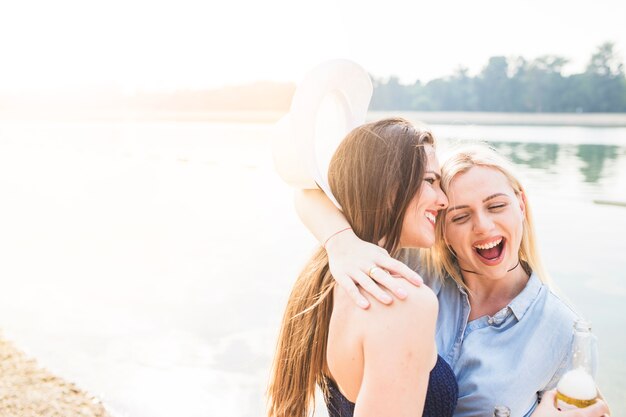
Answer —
380 362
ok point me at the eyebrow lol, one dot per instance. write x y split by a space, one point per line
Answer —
434 173
491 197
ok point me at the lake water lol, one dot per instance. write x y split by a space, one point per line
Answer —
150 262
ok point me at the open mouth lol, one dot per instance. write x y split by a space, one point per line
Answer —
431 216
491 252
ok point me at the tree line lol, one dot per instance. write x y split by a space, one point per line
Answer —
515 85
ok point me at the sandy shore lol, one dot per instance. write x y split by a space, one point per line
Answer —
26 390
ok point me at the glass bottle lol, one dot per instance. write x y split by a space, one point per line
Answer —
577 389
501 411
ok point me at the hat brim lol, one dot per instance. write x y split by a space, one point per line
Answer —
331 100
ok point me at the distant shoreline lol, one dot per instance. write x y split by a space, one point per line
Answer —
510 119
267 117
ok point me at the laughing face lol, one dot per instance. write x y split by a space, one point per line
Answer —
418 225
484 223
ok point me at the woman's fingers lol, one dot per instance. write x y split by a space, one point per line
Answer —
548 397
384 279
374 280
351 288
369 285
400 270
354 261
546 406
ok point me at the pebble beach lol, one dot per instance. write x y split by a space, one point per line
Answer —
29 390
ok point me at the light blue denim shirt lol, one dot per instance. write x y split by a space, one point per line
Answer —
510 357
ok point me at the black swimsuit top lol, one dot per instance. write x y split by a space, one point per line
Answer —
441 395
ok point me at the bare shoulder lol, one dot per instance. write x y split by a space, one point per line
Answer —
399 336
418 310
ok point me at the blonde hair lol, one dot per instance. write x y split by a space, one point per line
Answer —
374 174
441 260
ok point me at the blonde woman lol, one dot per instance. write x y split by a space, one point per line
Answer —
506 335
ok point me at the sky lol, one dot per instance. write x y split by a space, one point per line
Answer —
152 45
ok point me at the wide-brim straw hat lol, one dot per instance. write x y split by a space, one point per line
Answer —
331 100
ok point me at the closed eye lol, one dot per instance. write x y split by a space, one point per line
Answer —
460 219
497 206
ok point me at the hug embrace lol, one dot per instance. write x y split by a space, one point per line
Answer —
474 324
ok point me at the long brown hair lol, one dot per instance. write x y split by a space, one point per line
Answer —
375 172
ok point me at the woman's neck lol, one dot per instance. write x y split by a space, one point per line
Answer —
488 296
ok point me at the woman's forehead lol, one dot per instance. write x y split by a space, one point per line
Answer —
432 160
477 181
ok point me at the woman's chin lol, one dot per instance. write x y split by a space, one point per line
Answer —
425 240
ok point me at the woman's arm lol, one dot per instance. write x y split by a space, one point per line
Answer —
350 258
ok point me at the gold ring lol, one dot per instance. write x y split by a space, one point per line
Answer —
372 269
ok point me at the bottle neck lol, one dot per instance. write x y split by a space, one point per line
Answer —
502 411
581 353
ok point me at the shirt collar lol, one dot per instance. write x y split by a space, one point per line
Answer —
520 304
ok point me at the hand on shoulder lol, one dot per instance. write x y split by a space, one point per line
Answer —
355 262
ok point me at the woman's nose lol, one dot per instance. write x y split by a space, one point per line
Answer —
442 199
482 223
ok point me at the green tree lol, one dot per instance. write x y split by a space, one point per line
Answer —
604 62
521 101
391 95
493 87
462 94
604 83
545 85
515 84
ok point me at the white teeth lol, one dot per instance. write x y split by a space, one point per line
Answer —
430 217
489 245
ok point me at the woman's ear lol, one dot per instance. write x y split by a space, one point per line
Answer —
522 202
